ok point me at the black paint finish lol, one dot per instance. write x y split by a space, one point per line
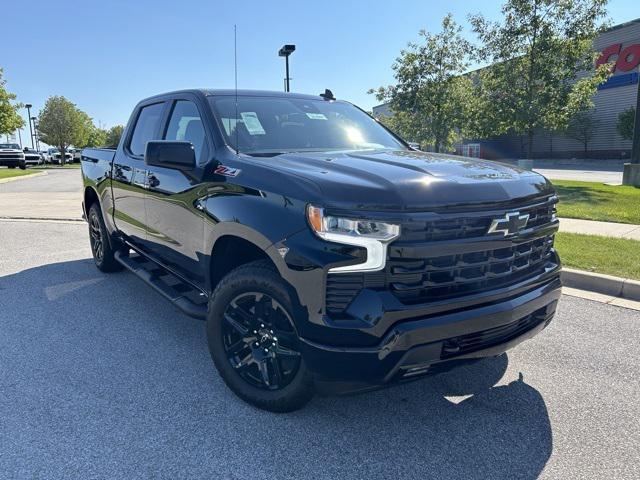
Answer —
178 217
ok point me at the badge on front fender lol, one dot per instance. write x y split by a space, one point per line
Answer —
227 171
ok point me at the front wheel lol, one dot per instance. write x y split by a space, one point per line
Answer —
253 341
22 166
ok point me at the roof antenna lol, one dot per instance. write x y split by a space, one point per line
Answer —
235 68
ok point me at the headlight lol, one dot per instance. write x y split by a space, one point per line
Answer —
372 235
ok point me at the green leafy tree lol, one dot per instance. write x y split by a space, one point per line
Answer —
113 136
430 97
97 137
536 52
582 127
10 119
61 123
625 123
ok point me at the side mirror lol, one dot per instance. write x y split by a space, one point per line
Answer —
170 154
414 145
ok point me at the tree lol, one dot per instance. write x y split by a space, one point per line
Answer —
625 123
113 136
535 53
582 127
97 137
10 119
61 123
430 95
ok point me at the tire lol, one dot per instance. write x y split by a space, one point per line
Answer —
101 246
232 322
22 166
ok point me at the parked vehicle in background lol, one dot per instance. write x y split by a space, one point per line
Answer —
12 156
32 157
53 156
323 251
77 155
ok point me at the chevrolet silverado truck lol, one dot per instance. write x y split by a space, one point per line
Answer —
12 156
325 254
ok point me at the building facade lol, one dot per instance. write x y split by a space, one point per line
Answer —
619 45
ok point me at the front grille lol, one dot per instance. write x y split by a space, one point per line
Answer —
10 156
438 278
459 226
463 344
481 263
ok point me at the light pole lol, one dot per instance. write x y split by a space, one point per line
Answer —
28 105
631 175
285 51
35 132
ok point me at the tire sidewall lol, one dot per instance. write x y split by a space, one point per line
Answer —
245 280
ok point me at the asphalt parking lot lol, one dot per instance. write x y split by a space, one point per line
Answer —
102 378
55 195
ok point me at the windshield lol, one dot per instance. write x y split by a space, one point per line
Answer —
10 145
273 125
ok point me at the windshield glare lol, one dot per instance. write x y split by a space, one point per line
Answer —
272 125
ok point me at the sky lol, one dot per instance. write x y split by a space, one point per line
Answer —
107 55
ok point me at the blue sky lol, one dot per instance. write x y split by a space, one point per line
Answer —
106 55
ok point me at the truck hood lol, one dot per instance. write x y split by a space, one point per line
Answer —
410 180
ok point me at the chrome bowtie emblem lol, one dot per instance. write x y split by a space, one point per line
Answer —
511 224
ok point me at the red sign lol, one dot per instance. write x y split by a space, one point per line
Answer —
627 58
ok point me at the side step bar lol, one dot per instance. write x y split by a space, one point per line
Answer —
187 298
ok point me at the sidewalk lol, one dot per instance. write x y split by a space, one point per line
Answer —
604 229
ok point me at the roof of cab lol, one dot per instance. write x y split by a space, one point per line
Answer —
213 92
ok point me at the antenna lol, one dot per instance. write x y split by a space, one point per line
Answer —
235 67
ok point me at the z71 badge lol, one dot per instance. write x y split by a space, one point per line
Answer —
227 171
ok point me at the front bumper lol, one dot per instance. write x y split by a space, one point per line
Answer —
10 162
413 348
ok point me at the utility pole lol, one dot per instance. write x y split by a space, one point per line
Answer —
28 105
35 132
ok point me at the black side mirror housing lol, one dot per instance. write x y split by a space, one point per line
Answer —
170 154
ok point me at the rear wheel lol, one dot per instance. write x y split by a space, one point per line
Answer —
101 247
253 341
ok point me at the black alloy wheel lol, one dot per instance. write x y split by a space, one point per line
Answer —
260 342
95 237
102 247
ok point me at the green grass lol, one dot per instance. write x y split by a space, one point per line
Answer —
613 256
48 166
597 201
13 172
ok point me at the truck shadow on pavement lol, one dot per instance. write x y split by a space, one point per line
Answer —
101 377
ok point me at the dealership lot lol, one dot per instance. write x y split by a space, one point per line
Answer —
56 195
101 377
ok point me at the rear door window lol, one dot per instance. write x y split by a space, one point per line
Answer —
146 128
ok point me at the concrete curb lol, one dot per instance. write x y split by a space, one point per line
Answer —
605 284
22 177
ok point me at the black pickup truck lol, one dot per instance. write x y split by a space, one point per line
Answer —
325 254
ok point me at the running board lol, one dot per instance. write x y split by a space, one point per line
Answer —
189 299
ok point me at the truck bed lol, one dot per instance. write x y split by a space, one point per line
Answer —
96 155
